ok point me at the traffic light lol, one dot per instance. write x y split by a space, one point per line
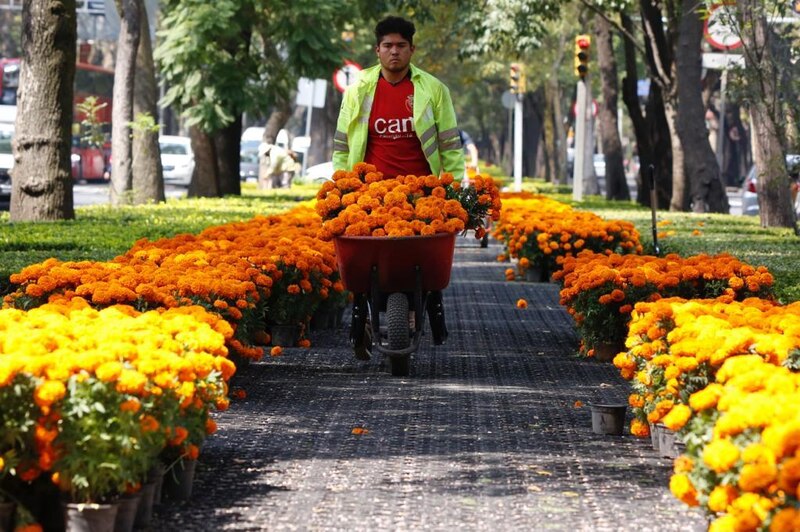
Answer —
516 78
583 44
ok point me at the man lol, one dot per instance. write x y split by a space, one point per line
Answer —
400 119
396 116
469 149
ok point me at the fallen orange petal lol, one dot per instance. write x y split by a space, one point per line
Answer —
359 431
578 404
521 303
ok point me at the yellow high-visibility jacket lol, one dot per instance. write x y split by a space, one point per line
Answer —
434 123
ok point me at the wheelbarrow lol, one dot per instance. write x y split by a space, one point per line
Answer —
401 279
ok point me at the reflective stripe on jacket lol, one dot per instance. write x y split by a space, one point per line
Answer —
434 123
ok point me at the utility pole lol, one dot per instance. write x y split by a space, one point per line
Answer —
583 117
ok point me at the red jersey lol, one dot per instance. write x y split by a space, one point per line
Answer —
393 146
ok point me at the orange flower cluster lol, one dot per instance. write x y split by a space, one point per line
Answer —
78 385
600 290
539 232
273 265
364 203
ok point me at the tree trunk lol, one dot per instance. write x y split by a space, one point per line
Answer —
706 188
42 177
11 29
227 142
560 134
122 111
205 179
661 63
774 201
148 175
630 95
533 121
616 185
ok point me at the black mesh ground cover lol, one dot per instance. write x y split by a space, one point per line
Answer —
483 435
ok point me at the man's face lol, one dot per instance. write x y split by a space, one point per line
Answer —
394 52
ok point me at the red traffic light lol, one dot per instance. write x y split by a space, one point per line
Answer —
583 41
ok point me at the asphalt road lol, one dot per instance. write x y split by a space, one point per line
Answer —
84 194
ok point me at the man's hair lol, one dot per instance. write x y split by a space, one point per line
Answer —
393 24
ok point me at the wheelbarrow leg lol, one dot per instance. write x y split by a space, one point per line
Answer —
435 308
360 338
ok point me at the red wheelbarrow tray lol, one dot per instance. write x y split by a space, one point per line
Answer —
396 259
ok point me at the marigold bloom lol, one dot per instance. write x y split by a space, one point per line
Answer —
522 304
276 351
682 488
720 455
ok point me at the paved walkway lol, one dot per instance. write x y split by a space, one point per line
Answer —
483 435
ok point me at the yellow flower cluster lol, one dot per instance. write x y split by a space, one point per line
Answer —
271 264
539 232
746 471
151 378
675 347
600 290
362 202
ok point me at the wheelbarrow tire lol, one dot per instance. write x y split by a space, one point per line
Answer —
397 326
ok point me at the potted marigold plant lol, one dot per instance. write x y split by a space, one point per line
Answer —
741 464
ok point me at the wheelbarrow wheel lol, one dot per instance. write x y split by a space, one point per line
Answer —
397 326
398 332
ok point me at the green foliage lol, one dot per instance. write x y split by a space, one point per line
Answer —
223 58
91 126
144 123
102 444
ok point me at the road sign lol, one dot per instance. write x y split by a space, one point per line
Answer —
507 99
720 28
346 75
311 92
717 61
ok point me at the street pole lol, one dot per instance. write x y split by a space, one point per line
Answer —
723 83
518 143
578 166
308 135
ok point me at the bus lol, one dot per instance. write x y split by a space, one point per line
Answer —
89 161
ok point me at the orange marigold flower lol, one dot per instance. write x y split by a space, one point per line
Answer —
522 304
131 405
276 351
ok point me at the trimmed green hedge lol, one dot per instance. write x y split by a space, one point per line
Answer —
103 232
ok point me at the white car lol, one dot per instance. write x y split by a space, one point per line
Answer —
320 172
177 159
750 186
6 159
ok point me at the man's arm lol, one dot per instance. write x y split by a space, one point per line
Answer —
450 149
341 147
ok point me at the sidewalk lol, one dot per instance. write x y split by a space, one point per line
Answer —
483 435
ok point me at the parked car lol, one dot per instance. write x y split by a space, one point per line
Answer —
6 160
319 172
177 159
750 186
